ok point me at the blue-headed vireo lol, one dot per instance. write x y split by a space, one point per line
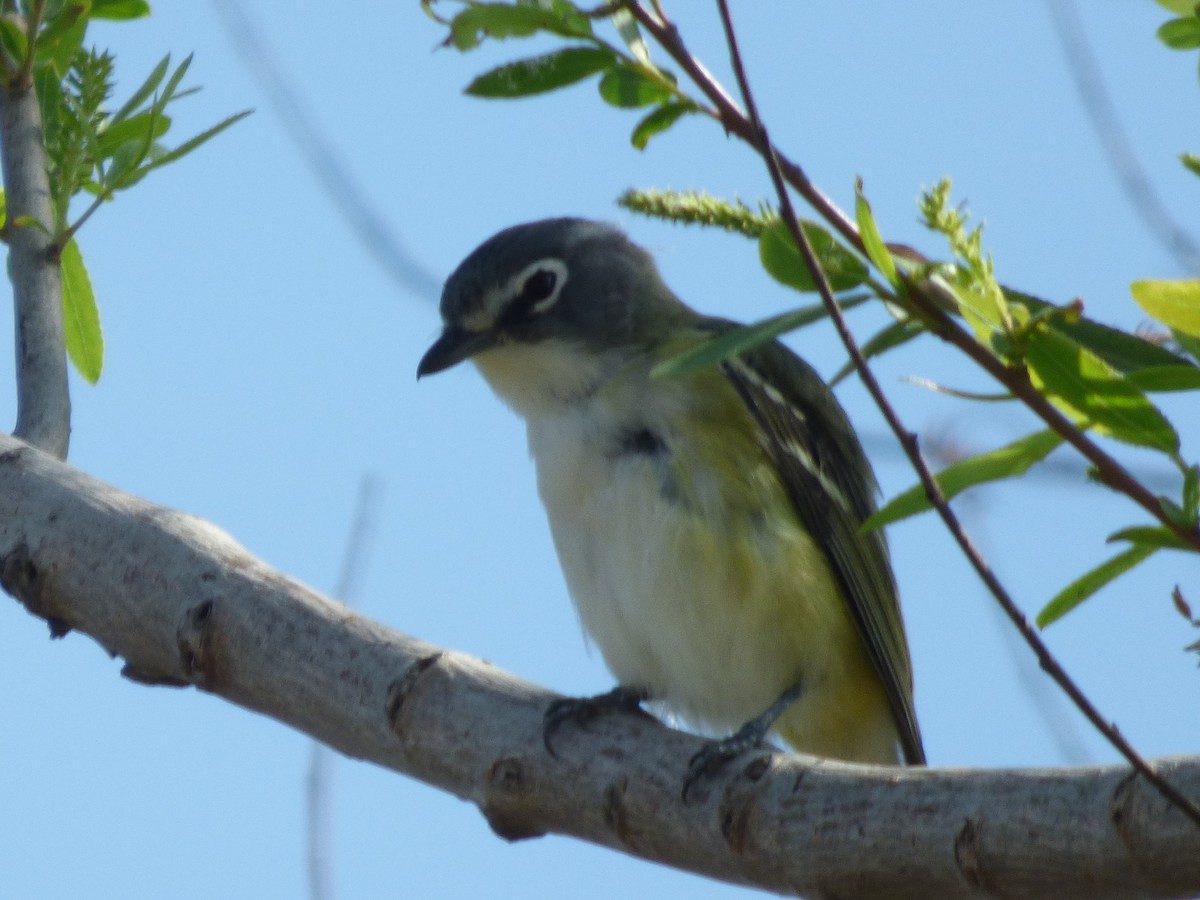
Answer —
707 524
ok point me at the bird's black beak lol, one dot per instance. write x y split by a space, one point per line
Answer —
455 345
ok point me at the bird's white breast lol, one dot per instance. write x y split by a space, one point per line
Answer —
712 606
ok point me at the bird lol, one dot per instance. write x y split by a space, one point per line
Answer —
708 524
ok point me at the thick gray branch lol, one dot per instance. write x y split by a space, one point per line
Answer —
43 401
184 604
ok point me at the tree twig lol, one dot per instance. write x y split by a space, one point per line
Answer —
908 441
1108 470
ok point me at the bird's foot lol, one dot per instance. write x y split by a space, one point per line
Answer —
713 756
581 710
708 761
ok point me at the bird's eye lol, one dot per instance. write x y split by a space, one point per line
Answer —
538 287
533 291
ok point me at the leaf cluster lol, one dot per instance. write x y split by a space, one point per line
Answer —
628 79
92 150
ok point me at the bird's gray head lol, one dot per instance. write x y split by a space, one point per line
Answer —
571 281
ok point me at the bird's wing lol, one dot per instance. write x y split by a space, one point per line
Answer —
831 485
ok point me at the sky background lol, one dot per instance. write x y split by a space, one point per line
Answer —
260 364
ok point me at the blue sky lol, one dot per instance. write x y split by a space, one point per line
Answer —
260 364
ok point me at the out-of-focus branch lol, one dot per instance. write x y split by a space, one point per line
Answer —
1071 30
43 398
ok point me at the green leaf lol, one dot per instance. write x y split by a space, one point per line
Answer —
1181 34
627 27
12 38
781 258
872 240
1187 343
3 209
628 88
191 144
120 9
1155 536
1191 161
81 319
1174 303
539 74
1006 462
48 86
659 120
141 128
1179 7
1080 382
62 37
744 337
1086 585
1166 378
1124 352
145 89
502 20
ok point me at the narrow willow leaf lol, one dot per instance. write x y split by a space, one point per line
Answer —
781 258
872 240
145 89
540 74
745 337
1191 162
629 88
659 120
1174 303
192 143
81 319
1086 585
1079 381
1150 536
1006 462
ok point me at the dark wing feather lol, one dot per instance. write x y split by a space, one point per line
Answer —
831 485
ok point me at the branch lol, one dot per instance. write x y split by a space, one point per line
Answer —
184 604
43 400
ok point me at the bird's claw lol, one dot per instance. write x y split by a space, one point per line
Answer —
581 710
708 761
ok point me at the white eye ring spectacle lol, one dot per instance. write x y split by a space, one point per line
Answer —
538 286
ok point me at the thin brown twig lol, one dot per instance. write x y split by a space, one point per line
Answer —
908 441
1108 470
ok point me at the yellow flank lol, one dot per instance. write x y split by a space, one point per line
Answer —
757 605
